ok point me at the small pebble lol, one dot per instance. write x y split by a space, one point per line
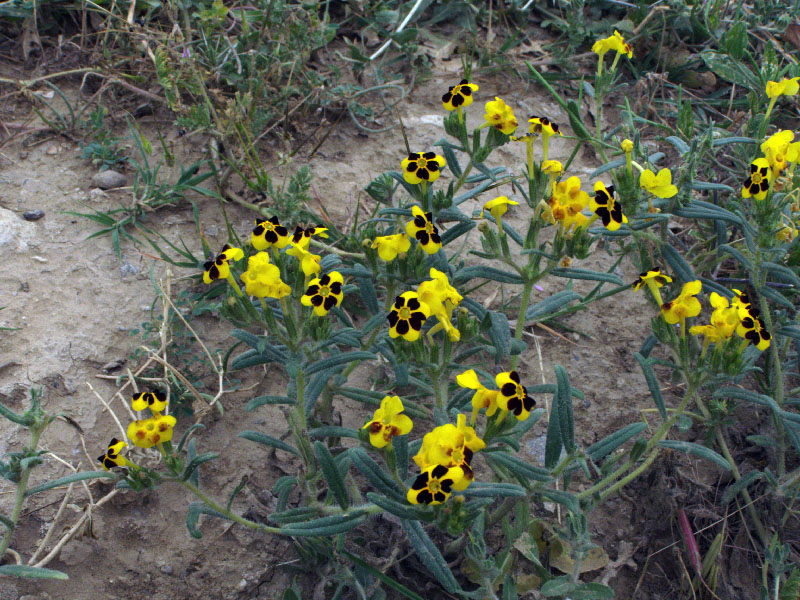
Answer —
33 215
109 179
167 570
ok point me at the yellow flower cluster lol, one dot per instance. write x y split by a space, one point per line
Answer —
444 461
737 316
146 433
434 297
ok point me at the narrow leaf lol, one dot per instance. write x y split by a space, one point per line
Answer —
268 440
29 572
69 479
697 450
331 473
430 556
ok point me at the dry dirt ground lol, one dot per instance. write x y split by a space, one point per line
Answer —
75 304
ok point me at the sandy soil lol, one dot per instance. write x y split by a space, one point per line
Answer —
76 304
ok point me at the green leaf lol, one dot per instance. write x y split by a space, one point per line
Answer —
570 501
196 462
697 450
731 70
608 444
681 146
262 400
480 489
332 431
591 591
268 440
465 274
587 275
430 556
735 253
541 311
404 510
677 262
553 443
69 479
776 297
518 467
563 403
341 359
376 475
193 515
29 572
332 475
14 417
294 515
736 488
325 526
395 585
748 396
186 435
652 383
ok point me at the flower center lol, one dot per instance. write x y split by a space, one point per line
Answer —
757 178
421 163
434 486
404 313
324 291
458 455
429 228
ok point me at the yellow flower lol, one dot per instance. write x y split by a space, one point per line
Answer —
741 302
441 446
543 126
757 184
685 305
725 317
498 207
711 333
471 439
566 204
784 87
776 148
788 230
149 432
269 233
387 422
262 279
459 95
433 485
422 166
605 207
424 231
308 262
627 146
513 396
500 116
654 277
407 316
112 457
614 42
302 237
451 446
659 185
389 246
218 267
483 396
752 329
552 167
441 298
155 401
324 293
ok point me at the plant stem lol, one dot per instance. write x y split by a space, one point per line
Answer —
523 308
224 511
22 486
